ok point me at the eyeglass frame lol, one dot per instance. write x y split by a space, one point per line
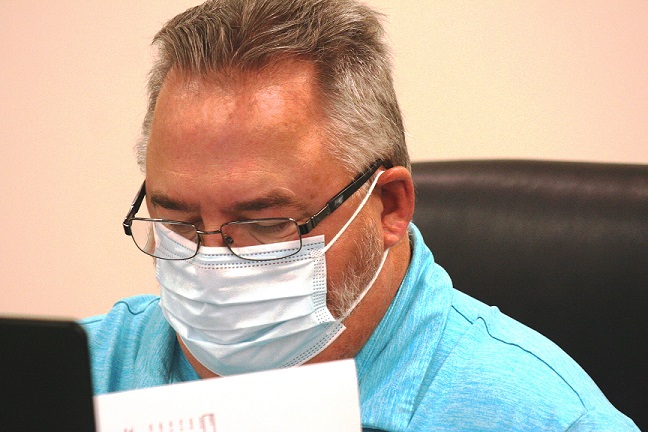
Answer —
303 229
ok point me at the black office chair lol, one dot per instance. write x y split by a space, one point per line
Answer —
560 246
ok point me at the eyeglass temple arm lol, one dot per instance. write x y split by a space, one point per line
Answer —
341 197
134 208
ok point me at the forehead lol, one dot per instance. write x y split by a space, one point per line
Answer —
239 134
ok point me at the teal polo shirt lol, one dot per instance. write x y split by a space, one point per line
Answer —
439 360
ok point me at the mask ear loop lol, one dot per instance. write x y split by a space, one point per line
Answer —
366 290
362 204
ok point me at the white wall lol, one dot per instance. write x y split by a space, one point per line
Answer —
508 79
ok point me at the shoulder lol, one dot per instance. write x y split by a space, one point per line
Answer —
126 319
129 309
490 371
499 370
132 333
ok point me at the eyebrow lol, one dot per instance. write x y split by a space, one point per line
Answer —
161 200
273 199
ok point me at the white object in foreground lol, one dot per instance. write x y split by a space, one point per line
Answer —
317 397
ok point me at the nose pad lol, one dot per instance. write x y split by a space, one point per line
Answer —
213 240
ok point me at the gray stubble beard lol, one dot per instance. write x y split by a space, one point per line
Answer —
360 271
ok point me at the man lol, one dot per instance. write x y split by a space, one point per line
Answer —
280 199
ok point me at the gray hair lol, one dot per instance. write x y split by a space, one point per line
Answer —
343 38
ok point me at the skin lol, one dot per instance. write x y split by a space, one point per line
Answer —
252 145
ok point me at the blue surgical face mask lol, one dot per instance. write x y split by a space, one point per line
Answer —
237 316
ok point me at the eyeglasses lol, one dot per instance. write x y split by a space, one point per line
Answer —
236 234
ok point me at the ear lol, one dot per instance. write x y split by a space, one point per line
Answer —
397 195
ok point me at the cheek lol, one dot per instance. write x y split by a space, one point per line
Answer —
337 263
351 253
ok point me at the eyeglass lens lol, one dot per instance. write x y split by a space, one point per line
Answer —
147 236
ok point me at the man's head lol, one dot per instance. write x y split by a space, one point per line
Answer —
342 39
268 109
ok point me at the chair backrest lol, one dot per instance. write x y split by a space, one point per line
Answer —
560 246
